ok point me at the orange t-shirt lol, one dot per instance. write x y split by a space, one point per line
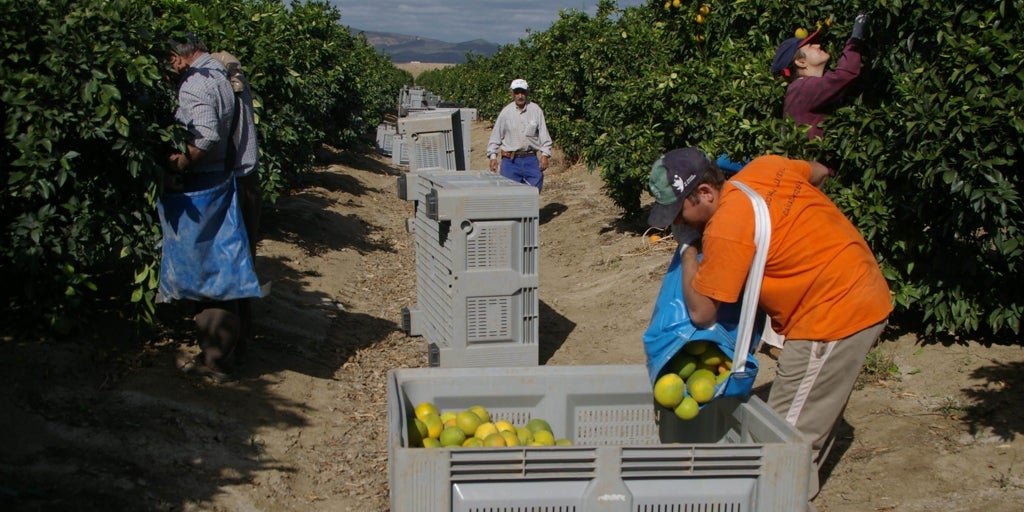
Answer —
821 281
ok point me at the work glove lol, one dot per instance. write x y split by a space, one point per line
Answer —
685 235
859 26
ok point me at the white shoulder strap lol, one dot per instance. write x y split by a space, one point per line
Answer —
752 291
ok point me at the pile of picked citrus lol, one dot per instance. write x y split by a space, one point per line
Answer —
690 377
473 427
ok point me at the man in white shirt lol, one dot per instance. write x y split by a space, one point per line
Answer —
519 134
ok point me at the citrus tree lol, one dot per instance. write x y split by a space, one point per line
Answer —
929 138
87 118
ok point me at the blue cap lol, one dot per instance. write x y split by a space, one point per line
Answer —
786 51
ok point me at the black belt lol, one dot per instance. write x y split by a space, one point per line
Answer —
517 154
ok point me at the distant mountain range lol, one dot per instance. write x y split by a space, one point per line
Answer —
406 48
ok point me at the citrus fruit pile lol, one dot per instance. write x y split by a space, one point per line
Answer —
473 428
690 377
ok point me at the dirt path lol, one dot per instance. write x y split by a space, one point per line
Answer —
98 423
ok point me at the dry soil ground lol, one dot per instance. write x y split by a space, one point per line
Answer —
103 421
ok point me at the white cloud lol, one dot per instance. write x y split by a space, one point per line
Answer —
456 21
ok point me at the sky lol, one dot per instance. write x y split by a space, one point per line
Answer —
457 21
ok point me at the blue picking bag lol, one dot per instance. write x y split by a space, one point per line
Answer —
670 329
205 246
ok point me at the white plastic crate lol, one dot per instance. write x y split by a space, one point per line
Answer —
399 150
385 137
436 140
626 455
466 117
476 239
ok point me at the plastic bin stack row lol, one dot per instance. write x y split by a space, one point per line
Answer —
411 99
476 238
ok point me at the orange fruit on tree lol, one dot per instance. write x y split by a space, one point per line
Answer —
800 33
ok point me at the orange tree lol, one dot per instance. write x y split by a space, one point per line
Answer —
87 119
930 138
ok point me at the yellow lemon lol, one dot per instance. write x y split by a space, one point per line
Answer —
800 33
452 436
683 364
524 434
544 437
425 407
468 422
480 411
699 19
536 425
563 442
669 390
484 430
434 425
705 9
494 440
696 348
687 409
713 356
447 415
677 3
417 432
473 442
700 373
431 443
701 389
510 438
504 426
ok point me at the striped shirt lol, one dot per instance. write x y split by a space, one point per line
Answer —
206 105
520 130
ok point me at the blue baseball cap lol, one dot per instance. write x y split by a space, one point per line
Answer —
786 51
675 176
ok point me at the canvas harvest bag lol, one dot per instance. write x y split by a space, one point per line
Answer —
734 332
205 246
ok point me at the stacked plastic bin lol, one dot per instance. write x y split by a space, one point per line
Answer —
386 137
436 140
476 237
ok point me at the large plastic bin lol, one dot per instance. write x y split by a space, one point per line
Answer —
736 456
477 246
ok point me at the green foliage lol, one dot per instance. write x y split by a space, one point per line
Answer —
929 140
87 113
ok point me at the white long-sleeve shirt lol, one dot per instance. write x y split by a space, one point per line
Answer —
519 130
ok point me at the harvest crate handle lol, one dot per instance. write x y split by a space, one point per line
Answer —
762 237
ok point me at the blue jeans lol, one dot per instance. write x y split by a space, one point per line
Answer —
523 169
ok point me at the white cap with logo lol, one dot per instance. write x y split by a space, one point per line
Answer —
519 83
